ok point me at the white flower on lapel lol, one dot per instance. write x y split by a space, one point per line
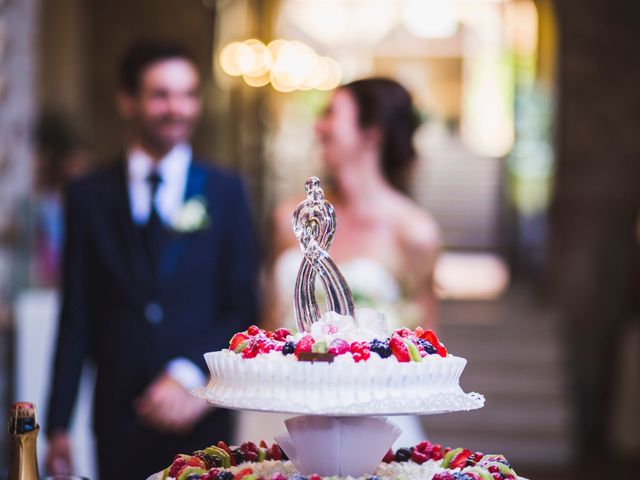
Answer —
192 216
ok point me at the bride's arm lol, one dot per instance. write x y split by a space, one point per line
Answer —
281 239
421 245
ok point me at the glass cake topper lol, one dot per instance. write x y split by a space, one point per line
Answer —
314 224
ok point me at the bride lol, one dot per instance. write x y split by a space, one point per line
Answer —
385 245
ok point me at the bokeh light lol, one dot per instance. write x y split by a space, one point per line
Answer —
286 65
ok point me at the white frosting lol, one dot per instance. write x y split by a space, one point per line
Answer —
275 382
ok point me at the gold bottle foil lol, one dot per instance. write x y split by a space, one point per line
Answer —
23 462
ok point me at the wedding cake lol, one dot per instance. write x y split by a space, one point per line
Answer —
342 371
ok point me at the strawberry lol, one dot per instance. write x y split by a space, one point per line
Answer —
460 460
276 453
305 344
237 339
399 349
430 336
242 473
389 456
263 444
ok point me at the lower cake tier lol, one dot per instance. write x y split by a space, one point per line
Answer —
425 461
280 383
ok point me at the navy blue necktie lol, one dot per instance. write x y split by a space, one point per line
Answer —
154 232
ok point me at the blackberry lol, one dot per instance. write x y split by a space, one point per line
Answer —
402 455
381 347
375 477
297 476
238 455
427 345
288 348
225 475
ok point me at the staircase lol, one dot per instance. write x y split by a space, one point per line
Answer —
514 360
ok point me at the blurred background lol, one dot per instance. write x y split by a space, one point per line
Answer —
529 156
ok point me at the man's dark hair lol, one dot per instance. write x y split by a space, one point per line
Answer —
141 55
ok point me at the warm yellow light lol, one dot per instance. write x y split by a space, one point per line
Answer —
280 81
273 48
228 59
318 74
288 65
334 75
255 65
259 81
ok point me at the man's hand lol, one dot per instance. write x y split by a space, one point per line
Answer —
167 406
58 458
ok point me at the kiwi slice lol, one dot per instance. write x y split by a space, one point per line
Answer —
219 452
320 347
484 474
446 461
241 346
503 468
191 471
414 353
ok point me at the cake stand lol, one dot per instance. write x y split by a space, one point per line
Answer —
348 436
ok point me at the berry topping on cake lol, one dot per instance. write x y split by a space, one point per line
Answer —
404 345
266 462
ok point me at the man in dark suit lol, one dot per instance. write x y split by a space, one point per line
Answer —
159 268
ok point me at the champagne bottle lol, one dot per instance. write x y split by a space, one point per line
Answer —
23 430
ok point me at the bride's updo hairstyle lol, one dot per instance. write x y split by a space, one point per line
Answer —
387 105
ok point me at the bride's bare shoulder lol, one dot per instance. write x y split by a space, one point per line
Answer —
417 228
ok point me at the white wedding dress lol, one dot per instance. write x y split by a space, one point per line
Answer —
372 286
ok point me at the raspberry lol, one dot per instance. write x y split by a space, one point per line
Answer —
339 347
250 456
211 474
177 466
281 334
496 476
419 457
474 458
359 351
403 332
279 476
253 330
315 477
380 347
436 452
304 344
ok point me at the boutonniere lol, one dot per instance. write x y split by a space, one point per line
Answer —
192 216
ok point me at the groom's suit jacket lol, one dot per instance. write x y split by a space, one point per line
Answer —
131 317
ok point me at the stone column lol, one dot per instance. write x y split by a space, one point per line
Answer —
594 243
18 20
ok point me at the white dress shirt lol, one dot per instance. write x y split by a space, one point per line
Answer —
173 168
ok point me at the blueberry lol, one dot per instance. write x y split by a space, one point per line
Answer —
402 455
226 475
288 348
380 347
375 477
428 347
297 476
